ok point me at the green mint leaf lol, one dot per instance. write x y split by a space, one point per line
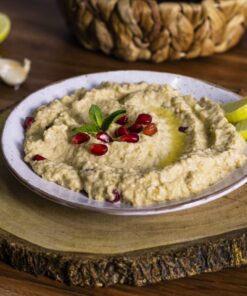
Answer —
95 115
112 118
87 128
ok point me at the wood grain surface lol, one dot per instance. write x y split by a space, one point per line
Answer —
225 283
38 33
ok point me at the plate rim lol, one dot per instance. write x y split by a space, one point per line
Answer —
132 211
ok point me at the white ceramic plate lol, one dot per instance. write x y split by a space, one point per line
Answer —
13 136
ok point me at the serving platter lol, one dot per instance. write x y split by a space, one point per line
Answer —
13 136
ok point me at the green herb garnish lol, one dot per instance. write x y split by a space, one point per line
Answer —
96 115
98 122
112 118
87 128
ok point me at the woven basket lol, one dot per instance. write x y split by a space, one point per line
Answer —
147 30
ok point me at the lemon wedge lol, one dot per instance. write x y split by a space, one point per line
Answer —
241 128
236 111
5 25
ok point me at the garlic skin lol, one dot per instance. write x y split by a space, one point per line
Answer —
14 73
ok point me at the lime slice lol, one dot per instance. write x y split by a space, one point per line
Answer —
5 25
236 111
241 127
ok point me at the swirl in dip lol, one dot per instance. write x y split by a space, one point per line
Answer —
194 146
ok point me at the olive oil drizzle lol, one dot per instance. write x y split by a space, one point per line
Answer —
178 138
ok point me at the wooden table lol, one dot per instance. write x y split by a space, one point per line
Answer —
38 33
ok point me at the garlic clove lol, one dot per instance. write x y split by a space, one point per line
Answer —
13 72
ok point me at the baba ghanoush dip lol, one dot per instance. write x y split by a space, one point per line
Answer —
135 143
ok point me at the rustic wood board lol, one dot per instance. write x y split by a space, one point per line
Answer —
90 249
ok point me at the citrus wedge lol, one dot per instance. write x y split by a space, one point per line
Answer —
241 127
5 25
236 111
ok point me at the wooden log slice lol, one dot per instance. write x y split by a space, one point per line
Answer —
85 248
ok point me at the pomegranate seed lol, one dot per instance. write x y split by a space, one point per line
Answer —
80 138
104 137
182 129
117 196
130 138
121 131
28 122
98 149
122 120
144 118
135 128
150 129
38 157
